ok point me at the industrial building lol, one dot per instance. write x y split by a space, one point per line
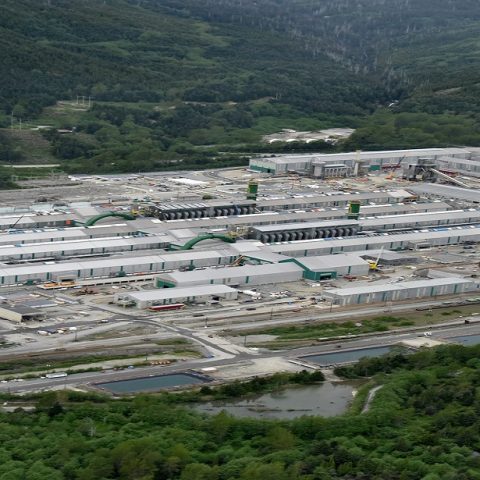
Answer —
113 267
284 270
81 248
399 291
331 266
166 296
334 199
343 164
421 220
234 276
395 241
19 314
304 231
272 218
447 192
176 211
16 237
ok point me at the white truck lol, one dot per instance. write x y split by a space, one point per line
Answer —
56 375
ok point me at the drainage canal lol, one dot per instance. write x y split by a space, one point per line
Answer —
153 384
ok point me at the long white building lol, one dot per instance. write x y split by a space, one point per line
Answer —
280 165
400 291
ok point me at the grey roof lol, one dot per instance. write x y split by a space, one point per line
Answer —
206 204
457 215
376 288
447 191
344 197
380 239
168 293
305 225
232 272
331 261
72 246
32 269
38 235
423 152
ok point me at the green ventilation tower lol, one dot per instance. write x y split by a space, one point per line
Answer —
353 210
252 190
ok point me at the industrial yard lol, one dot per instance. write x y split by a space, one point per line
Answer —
113 277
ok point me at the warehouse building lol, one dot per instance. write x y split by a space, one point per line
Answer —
271 269
113 267
335 199
20 313
305 164
245 275
148 227
421 220
388 258
214 208
396 241
17 237
459 165
447 192
304 231
33 220
399 291
331 266
167 296
104 246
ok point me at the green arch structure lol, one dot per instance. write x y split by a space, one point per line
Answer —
200 238
96 218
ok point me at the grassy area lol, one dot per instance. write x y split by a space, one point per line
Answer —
22 366
33 147
294 335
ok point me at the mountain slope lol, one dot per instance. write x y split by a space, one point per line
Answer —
178 81
125 52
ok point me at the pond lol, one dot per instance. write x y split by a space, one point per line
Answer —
152 384
466 339
347 356
326 400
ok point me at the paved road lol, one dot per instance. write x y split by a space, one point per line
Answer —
225 357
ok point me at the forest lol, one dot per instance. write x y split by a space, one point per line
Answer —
423 424
187 84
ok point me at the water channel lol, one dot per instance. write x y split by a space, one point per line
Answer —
327 399
347 356
152 384
466 339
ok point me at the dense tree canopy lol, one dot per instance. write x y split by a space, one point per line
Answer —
424 424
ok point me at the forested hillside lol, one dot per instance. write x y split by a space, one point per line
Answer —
178 81
423 424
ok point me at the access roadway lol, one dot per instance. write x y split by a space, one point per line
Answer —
231 355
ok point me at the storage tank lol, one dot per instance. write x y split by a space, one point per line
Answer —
252 190
353 210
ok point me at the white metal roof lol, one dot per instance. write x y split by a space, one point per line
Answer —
447 191
331 261
168 293
232 272
304 225
380 239
435 282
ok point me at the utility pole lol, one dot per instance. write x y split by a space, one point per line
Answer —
11 120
